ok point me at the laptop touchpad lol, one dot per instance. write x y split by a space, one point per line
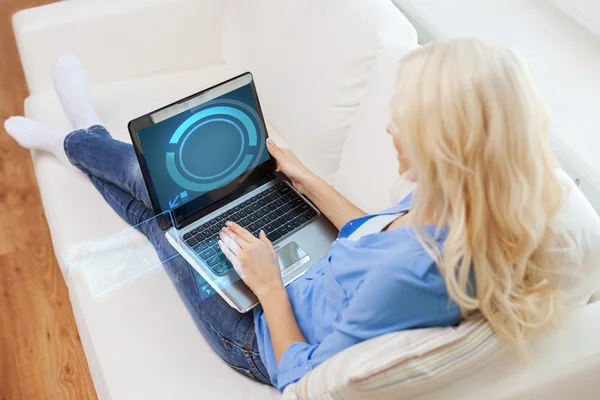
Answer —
291 255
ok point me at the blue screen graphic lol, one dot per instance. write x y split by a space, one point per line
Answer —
204 148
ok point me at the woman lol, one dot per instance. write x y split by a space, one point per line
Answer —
469 129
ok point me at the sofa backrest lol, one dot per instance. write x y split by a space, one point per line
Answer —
313 62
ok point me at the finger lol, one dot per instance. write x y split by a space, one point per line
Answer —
263 237
228 253
230 242
237 266
241 232
228 234
273 148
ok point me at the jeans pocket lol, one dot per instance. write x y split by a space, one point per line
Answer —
242 361
237 360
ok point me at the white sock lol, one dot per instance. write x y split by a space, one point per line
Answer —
70 83
34 135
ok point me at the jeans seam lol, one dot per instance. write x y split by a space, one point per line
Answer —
246 372
97 173
116 201
225 344
241 348
259 376
253 372
94 127
249 338
66 146
248 353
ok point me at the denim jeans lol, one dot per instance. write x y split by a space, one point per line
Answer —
113 168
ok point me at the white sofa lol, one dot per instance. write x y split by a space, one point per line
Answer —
325 71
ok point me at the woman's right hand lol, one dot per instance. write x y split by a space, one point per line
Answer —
290 165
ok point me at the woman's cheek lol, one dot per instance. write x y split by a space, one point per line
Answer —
402 160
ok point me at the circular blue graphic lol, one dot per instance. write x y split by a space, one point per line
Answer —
237 159
205 122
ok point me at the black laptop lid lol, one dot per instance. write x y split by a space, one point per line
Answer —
203 149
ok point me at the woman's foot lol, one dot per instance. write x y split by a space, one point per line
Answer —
70 83
34 135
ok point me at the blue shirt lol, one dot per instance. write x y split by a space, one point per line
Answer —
384 282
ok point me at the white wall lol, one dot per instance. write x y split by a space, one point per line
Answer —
585 12
563 56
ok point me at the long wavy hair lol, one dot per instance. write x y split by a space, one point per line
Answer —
475 135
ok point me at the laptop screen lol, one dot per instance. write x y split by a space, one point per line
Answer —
203 148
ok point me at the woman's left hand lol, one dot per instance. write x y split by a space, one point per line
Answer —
254 259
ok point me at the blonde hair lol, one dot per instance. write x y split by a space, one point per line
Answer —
475 134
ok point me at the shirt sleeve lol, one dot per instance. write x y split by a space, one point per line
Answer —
378 306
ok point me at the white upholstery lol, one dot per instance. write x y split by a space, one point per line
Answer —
324 70
120 39
312 61
368 151
580 225
563 365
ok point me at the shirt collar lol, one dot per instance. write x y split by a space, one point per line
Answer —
402 207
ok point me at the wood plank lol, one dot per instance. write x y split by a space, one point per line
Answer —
41 356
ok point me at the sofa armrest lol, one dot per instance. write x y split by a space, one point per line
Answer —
119 39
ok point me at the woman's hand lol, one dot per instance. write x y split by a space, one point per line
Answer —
290 165
254 259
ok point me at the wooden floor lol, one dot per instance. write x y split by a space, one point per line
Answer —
40 350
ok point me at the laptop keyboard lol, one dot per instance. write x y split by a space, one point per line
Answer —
278 211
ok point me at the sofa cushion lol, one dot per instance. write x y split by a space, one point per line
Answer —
335 42
402 365
369 165
579 223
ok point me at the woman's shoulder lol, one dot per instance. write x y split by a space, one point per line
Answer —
405 253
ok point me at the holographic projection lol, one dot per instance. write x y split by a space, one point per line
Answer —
118 259
111 263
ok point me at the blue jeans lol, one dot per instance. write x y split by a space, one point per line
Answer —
113 168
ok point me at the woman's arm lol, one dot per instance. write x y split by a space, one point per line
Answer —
281 321
336 207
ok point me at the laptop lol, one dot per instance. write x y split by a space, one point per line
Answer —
204 161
